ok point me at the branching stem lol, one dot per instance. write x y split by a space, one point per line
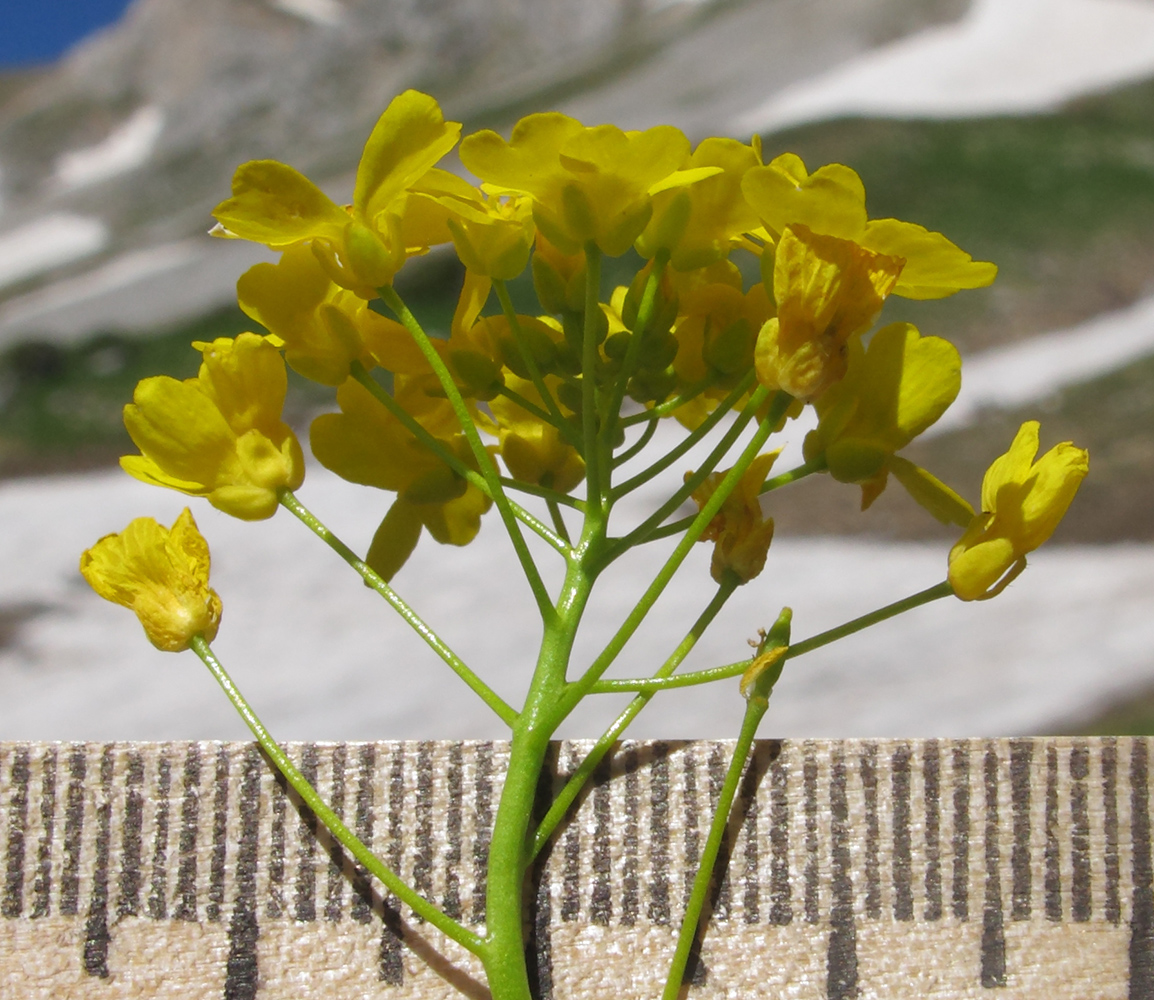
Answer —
490 697
349 840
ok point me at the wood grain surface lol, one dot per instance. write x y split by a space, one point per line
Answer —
854 869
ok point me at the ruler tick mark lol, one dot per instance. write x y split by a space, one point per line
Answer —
960 890
157 905
96 936
841 957
869 779
362 907
902 873
1021 760
186 907
241 971
334 893
219 855
1053 852
1142 916
42 887
993 964
1080 888
13 904
73 831
132 844
931 780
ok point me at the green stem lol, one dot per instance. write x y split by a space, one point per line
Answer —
688 442
633 351
617 685
480 452
526 404
453 461
558 521
754 711
510 851
637 447
421 906
675 527
556 417
651 685
577 690
545 493
672 528
642 532
673 403
933 593
589 358
757 701
490 697
573 786
808 469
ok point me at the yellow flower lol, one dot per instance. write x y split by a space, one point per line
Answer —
587 184
717 327
891 392
492 235
831 201
162 575
364 245
1022 503
533 450
827 291
366 444
558 278
698 223
219 435
323 328
740 532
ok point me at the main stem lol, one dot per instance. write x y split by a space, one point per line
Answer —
511 848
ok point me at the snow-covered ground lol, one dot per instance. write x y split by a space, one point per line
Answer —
1002 57
128 147
54 239
1006 377
326 13
321 656
135 291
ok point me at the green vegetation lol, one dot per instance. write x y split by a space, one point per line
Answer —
1063 203
1132 715
60 404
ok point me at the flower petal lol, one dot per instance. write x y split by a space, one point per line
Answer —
408 139
276 205
934 267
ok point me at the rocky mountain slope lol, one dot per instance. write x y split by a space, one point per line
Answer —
111 161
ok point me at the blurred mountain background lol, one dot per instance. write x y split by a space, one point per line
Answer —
1023 130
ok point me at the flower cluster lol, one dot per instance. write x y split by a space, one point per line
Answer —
689 334
755 289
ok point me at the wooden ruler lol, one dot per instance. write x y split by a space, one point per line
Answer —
888 869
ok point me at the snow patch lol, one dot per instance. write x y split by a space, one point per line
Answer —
327 13
83 669
125 149
1010 376
48 242
1002 57
119 273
